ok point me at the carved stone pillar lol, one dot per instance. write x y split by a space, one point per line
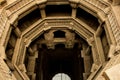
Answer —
95 55
74 11
87 61
100 49
31 66
42 4
42 9
74 5
32 61
49 37
70 37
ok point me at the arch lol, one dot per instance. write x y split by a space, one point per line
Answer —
61 76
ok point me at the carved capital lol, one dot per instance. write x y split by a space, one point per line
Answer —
46 26
49 37
70 38
41 3
90 41
22 67
74 3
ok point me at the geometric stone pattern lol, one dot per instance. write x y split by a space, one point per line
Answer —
101 9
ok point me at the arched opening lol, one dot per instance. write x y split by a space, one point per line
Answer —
50 62
61 76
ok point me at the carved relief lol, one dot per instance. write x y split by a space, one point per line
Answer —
70 37
49 39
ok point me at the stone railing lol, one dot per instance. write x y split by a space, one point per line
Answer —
3 21
102 5
114 26
98 3
14 7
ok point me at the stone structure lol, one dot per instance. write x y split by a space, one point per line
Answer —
41 38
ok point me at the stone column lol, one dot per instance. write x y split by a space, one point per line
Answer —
49 37
100 49
31 67
74 12
70 39
32 61
74 4
42 10
43 13
87 61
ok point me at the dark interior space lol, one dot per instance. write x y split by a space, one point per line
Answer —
58 10
59 60
29 19
59 34
87 18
